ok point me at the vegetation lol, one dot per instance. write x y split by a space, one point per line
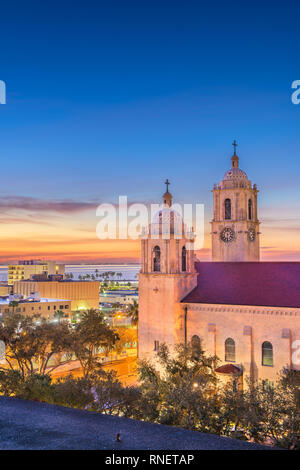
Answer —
179 389
133 312
31 343
127 338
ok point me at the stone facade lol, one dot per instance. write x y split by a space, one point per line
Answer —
256 340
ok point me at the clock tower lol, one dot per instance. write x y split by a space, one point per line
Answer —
235 225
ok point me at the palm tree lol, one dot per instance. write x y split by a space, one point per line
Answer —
133 314
59 314
13 304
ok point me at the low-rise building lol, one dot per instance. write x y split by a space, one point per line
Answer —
34 305
5 289
27 268
83 295
122 297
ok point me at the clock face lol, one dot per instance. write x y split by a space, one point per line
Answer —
227 235
251 234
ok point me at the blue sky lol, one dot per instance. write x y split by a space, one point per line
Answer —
109 98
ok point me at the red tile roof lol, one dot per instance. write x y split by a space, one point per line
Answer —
271 284
228 369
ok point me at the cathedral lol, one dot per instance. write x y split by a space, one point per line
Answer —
243 310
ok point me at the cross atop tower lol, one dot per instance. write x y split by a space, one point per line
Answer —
167 182
234 146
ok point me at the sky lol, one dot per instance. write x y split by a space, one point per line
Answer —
111 98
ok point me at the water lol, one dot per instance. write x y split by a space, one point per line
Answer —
3 273
129 271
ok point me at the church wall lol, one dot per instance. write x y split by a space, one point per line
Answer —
249 327
158 294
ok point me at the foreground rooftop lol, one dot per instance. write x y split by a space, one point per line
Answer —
32 425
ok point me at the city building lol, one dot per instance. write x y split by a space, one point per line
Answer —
34 305
244 311
123 297
28 268
82 294
5 288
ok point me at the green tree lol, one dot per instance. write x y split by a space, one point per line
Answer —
13 304
90 334
59 315
181 389
133 314
127 337
29 345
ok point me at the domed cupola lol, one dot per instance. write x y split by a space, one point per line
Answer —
167 219
235 177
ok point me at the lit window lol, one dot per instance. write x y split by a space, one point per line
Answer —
267 354
229 350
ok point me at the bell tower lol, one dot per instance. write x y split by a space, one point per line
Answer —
167 275
235 224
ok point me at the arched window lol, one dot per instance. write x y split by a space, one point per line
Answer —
250 209
229 350
183 259
227 209
267 354
156 258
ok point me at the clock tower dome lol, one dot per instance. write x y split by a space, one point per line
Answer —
235 225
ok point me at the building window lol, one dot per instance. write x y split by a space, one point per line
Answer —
229 350
61 307
156 346
267 354
250 209
156 259
183 260
227 209
66 306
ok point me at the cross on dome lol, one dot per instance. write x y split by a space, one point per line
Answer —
167 182
235 146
